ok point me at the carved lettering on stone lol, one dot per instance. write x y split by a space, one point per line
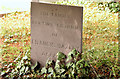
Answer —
54 28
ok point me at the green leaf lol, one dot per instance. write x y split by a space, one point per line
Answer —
113 69
2 73
25 57
27 63
22 69
69 64
73 74
68 58
43 70
60 71
79 62
50 70
73 66
60 56
83 71
26 69
50 63
73 52
35 66
81 65
57 64
19 66
86 64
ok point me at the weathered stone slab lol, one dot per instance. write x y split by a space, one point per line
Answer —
54 28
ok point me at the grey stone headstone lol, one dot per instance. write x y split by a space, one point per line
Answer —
54 28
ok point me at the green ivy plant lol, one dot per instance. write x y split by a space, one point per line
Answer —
71 66
112 6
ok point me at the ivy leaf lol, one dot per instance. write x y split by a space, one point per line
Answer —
50 75
69 64
37 65
26 69
19 66
57 64
73 66
73 73
86 64
83 71
50 70
68 58
50 63
60 71
43 70
3 73
73 52
60 56
25 57
22 69
79 62
71 55
27 63
113 69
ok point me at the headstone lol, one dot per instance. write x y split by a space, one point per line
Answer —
35 0
47 0
54 28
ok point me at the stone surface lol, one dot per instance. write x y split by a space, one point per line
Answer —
46 0
54 28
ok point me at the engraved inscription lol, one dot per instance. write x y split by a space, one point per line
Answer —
53 13
67 26
54 34
52 44
48 54
43 13
58 25
42 23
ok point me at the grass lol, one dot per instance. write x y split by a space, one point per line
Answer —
100 32
100 36
15 35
